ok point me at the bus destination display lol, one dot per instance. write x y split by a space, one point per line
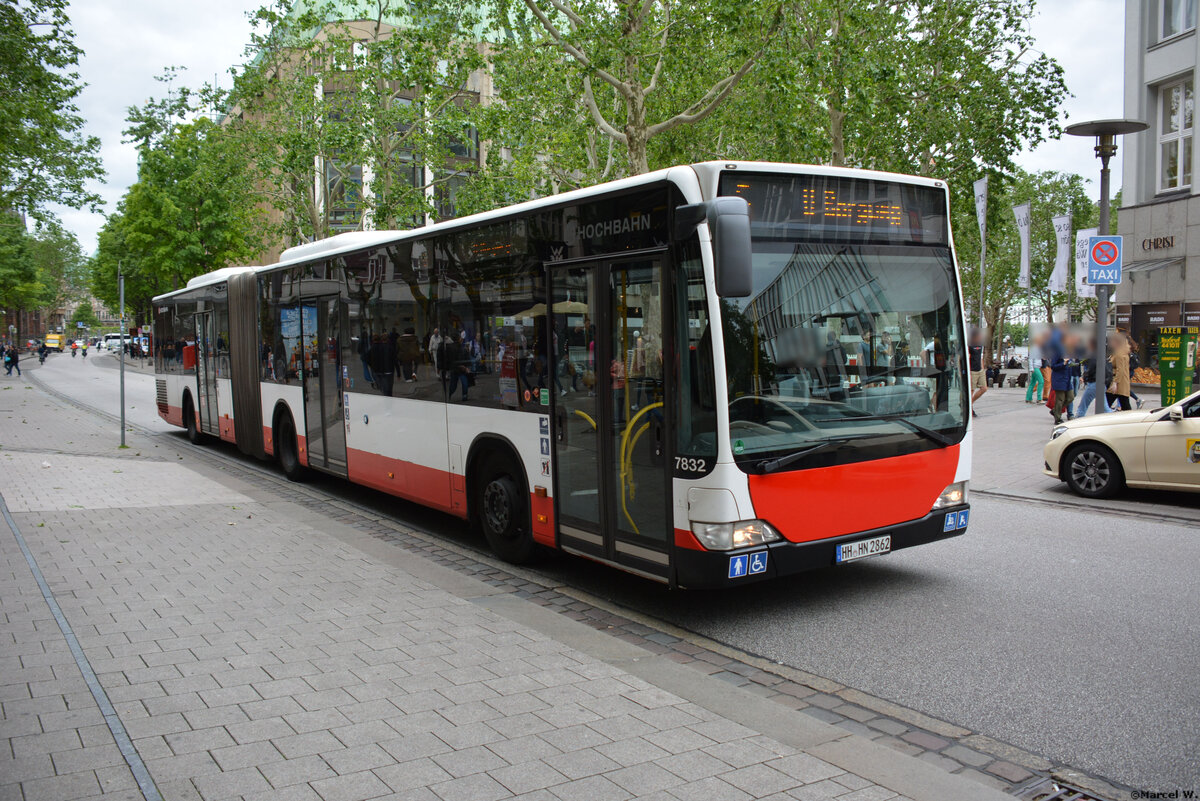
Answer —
847 209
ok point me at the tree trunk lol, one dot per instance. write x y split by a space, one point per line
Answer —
636 138
837 138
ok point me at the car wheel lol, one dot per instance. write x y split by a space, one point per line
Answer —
502 511
1093 470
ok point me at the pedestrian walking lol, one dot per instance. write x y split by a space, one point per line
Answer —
13 360
978 376
1058 357
1088 378
1134 364
1036 390
1118 390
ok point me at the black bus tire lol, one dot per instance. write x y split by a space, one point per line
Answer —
288 449
501 509
194 434
1092 470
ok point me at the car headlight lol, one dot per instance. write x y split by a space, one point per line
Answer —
726 536
953 495
1058 432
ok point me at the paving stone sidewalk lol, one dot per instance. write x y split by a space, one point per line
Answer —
1009 437
250 653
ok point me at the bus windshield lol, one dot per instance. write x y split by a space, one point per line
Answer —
850 346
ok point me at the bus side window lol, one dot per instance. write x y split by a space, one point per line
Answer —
696 443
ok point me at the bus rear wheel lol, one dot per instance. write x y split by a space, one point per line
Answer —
288 449
194 434
502 511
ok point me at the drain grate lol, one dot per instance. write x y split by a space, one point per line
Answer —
1051 790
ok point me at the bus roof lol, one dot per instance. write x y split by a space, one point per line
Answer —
706 173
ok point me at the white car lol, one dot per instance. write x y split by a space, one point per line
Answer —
1098 455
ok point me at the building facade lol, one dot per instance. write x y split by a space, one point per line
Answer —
1160 187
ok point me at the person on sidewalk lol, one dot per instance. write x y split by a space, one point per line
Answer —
1088 377
15 360
1134 364
1118 390
978 376
1057 352
1037 385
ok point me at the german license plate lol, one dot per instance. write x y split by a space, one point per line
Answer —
863 548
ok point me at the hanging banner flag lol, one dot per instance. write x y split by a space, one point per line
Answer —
1062 259
981 215
1023 215
981 206
1082 289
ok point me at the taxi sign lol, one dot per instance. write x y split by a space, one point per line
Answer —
1104 260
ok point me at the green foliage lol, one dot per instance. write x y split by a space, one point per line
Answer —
601 81
44 155
390 94
18 277
84 314
42 269
192 210
59 264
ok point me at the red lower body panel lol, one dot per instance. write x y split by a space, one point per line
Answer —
807 505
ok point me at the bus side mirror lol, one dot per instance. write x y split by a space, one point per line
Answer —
729 222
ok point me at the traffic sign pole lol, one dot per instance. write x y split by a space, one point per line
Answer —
1102 290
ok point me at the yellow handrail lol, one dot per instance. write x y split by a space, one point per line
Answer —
627 458
585 416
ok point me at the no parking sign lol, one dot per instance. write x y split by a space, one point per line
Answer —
1104 260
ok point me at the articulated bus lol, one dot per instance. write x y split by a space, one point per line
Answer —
707 375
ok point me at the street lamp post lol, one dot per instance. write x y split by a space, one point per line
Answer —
1106 133
121 290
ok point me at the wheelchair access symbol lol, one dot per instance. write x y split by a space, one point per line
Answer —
758 562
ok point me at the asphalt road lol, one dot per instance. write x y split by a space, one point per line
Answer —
1064 631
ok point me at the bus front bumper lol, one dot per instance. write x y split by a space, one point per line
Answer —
714 569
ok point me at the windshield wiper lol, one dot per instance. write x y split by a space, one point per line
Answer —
780 462
928 433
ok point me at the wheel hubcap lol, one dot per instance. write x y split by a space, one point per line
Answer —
1090 471
495 507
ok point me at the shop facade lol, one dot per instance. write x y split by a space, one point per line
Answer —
1159 216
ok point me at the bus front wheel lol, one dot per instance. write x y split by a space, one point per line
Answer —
289 449
502 511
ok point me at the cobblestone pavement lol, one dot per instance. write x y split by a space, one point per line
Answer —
255 647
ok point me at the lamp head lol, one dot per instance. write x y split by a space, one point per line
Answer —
1106 133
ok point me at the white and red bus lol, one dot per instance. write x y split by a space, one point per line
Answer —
707 375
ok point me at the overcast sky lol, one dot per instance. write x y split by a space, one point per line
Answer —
128 42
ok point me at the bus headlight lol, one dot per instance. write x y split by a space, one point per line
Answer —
953 495
727 536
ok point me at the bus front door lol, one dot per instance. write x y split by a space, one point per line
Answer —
604 371
206 373
324 410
